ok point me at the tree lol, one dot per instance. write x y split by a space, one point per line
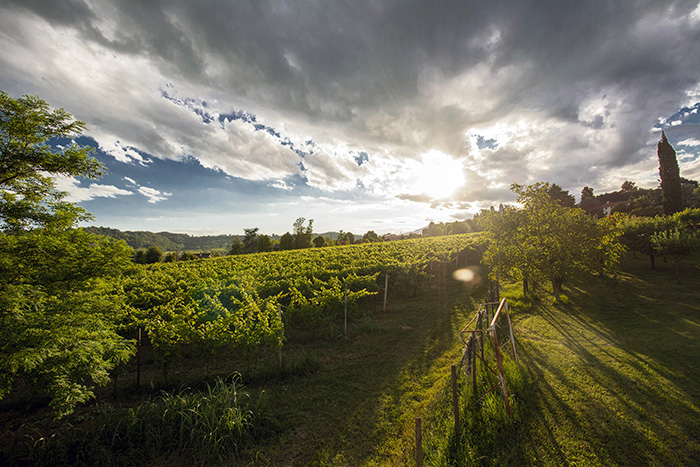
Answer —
153 255
677 244
59 300
628 186
546 241
562 196
303 235
586 193
319 241
236 247
170 258
670 177
371 237
264 244
140 257
287 241
28 196
250 240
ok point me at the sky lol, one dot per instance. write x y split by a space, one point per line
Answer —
216 116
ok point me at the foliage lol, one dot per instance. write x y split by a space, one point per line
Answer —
370 237
209 425
250 240
153 255
546 241
287 241
561 196
236 247
27 164
319 241
675 243
263 244
670 176
58 309
303 235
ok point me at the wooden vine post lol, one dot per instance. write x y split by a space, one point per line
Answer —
138 360
279 314
419 443
345 300
386 289
455 402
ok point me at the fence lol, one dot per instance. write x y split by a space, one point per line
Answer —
485 337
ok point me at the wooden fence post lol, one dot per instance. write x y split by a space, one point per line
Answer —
419 443
279 314
345 298
455 402
386 289
138 360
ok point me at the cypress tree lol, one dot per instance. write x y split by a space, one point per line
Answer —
670 177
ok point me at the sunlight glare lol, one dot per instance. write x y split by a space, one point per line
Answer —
438 175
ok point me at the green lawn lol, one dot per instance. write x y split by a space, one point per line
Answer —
615 372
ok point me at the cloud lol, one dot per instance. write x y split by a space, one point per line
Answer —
292 94
153 195
77 193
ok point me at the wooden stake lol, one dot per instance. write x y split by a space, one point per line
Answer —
419 443
138 360
455 402
279 313
345 328
386 289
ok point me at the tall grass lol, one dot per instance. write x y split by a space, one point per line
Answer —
206 426
485 427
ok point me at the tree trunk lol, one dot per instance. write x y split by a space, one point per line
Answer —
556 289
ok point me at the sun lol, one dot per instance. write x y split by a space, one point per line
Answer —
438 175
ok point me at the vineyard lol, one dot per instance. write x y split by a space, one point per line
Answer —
246 301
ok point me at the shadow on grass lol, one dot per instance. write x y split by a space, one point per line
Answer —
616 372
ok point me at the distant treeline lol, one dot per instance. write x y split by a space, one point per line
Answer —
167 241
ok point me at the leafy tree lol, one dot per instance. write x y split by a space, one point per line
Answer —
547 241
628 186
140 257
58 301
153 255
170 257
236 247
371 237
670 176
264 243
562 196
250 240
319 241
677 244
187 256
303 235
58 304
287 241
28 194
586 193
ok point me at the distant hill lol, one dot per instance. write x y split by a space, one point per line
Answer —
166 241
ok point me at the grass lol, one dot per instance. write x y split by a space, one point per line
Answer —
615 371
609 377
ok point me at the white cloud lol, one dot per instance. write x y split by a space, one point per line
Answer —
153 195
77 194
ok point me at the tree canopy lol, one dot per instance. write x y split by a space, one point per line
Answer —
29 197
545 241
670 176
58 306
